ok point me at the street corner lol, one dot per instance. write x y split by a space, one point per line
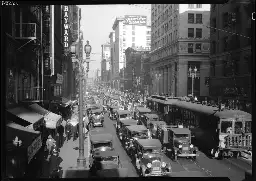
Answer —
74 172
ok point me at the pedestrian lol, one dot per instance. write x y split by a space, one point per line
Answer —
60 131
74 132
68 131
49 144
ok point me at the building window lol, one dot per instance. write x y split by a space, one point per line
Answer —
190 48
213 6
124 33
198 32
199 19
133 39
148 44
191 32
124 45
213 47
133 45
133 27
190 18
191 6
148 32
133 32
225 43
214 24
148 38
213 68
225 20
198 47
199 6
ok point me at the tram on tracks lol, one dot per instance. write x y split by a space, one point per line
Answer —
218 132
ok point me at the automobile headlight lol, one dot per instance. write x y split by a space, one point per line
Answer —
163 164
191 146
149 165
180 146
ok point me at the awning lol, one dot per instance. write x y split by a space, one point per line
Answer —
27 115
38 109
51 120
27 138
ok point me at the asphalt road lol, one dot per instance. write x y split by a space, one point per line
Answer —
124 158
231 168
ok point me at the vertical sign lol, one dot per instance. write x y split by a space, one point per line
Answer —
66 26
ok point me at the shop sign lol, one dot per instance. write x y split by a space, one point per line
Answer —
34 147
66 26
59 79
135 20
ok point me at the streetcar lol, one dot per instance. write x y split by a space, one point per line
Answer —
219 133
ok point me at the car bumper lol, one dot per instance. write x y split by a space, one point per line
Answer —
155 174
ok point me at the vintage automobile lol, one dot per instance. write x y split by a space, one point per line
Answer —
180 144
123 114
139 111
150 159
102 160
112 111
147 118
120 125
101 142
97 121
132 133
154 127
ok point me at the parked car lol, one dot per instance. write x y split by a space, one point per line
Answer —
103 160
150 159
180 144
97 121
123 114
139 111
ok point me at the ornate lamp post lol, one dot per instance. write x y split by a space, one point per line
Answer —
192 74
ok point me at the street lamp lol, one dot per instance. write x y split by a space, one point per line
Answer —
192 74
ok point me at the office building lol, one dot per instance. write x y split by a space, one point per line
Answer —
180 40
231 54
130 31
105 62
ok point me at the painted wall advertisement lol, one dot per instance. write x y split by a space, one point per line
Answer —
135 20
34 147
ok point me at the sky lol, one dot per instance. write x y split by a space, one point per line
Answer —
97 22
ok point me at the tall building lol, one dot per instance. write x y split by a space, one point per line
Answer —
134 69
130 31
113 64
231 54
180 40
105 53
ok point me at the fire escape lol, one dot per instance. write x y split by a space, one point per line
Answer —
28 30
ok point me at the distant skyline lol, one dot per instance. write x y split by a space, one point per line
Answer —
97 22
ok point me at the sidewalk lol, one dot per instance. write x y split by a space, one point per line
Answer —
69 154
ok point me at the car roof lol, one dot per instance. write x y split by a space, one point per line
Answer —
98 131
105 153
150 143
151 115
123 112
104 137
143 109
136 128
128 121
180 130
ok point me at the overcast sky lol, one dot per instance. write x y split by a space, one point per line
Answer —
97 22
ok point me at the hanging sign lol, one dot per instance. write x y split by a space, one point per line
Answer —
66 26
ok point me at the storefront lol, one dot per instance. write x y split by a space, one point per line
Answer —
22 145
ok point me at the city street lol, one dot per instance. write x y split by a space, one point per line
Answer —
211 167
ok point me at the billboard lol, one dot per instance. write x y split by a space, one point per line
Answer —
135 20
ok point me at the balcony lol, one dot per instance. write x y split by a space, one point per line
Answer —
30 94
27 31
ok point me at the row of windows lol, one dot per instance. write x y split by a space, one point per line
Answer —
194 47
165 52
193 6
191 33
165 40
191 18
